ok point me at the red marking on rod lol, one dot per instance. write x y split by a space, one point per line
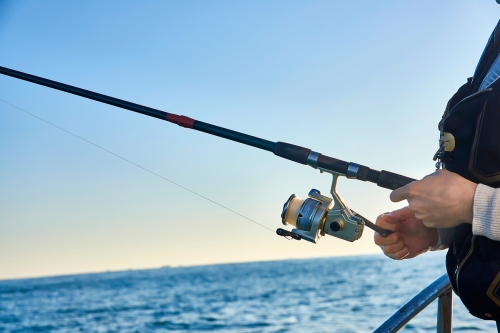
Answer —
180 120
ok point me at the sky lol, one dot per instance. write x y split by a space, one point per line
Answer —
362 81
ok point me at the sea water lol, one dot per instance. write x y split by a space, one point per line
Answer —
343 294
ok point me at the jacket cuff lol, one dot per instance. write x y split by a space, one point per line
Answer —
486 218
445 238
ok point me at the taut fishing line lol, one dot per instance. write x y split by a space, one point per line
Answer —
137 165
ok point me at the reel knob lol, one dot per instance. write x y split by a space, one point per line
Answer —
336 226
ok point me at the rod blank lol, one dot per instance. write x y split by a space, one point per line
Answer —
288 151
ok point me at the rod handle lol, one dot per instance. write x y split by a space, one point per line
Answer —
392 180
385 179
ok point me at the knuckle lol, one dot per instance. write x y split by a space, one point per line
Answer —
393 237
411 190
429 224
390 249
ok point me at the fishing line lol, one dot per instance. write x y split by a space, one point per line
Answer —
336 220
137 165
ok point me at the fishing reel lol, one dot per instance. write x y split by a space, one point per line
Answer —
319 215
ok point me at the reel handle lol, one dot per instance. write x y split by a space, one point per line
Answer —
382 232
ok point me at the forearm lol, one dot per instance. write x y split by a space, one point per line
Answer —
486 217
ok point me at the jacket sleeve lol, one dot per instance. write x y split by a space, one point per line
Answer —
486 219
445 238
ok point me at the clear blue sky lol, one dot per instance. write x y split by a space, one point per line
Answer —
363 81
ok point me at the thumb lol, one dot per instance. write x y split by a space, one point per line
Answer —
402 214
388 222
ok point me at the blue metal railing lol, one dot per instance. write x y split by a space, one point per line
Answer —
440 288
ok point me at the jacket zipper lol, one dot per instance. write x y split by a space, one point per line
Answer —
437 155
463 262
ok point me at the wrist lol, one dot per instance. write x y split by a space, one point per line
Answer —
469 203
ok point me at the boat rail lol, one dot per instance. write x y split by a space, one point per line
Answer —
441 288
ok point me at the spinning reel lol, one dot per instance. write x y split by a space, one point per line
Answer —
319 215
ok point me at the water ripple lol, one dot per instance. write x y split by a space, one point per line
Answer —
354 294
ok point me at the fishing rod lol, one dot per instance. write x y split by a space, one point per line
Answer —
312 217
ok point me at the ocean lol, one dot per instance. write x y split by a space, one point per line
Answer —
341 294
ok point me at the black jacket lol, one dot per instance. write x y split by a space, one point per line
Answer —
473 119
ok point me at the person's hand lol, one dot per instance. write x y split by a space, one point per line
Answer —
441 200
410 236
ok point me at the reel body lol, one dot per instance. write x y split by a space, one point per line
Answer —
319 215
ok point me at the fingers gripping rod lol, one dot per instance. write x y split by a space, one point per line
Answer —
288 151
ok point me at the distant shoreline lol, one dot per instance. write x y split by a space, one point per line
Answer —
172 267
